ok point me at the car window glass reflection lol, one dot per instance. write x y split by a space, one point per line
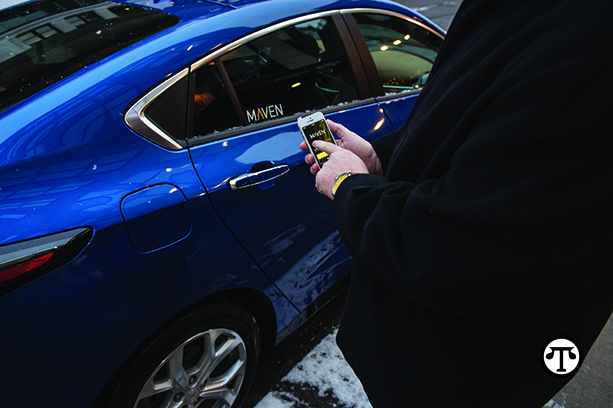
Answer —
45 41
402 51
213 108
299 68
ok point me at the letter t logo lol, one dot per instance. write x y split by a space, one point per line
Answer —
561 357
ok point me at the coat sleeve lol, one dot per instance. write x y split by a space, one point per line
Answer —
522 216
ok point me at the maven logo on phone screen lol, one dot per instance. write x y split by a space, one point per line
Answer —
319 131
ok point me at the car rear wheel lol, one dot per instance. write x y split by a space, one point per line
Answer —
207 359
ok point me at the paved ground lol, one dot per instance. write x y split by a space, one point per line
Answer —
291 352
592 387
307 371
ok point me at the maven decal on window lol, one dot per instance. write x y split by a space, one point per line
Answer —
264 113
290 71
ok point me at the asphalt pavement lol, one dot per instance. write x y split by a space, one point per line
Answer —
277 386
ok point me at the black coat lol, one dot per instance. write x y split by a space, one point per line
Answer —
491 232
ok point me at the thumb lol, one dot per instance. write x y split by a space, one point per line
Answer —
337 128
341 131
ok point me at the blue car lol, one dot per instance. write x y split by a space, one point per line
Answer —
159 228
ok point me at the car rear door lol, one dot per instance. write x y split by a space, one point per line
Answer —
244 144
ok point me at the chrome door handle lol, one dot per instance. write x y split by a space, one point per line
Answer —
258 177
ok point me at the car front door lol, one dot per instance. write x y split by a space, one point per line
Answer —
398 53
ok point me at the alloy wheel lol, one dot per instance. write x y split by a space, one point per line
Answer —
206 371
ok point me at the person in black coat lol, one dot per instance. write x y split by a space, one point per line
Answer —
482 229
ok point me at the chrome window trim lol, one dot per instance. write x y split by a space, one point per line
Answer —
393 14
135 116
260 33
297 20
137 121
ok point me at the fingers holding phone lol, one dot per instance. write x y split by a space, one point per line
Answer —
359 146
309 159
314 127
340 161
329 160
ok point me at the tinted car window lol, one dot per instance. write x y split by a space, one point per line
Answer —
45 41
403 52
299 68
169 110
213 108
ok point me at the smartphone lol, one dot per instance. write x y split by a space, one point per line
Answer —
314 127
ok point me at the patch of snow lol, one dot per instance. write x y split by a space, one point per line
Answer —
322 373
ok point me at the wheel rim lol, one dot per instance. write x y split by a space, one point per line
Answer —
206 371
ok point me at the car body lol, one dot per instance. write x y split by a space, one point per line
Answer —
151 180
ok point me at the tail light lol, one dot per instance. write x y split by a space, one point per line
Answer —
24 261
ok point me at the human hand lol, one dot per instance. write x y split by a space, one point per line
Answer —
352 142
340 161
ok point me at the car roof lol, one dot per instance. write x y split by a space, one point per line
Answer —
197 9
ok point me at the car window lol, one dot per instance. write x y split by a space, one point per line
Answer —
296 69
169 110
45 41
403 52
212 105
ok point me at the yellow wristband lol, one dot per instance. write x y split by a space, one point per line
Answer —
339 180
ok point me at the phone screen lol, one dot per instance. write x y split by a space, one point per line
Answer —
318 131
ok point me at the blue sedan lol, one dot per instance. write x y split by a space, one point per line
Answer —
159 228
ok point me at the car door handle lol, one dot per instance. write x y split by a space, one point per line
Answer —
254 178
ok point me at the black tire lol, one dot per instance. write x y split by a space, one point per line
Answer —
206 359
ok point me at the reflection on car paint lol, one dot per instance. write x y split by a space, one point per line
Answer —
304 279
